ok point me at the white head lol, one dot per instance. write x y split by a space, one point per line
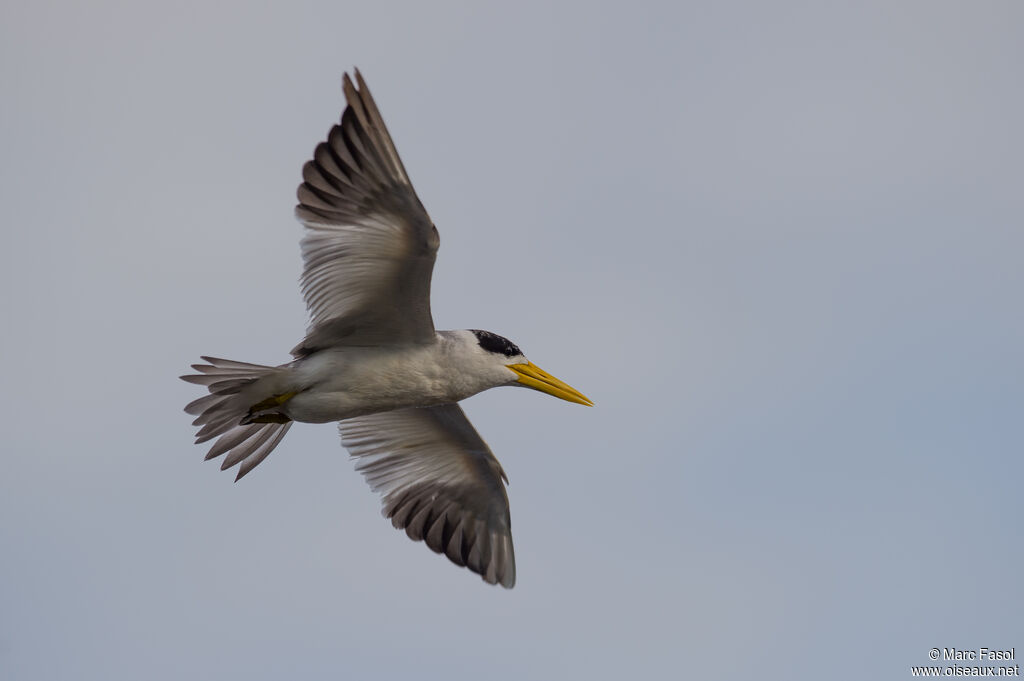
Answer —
505 362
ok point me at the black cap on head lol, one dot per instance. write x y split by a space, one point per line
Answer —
492 342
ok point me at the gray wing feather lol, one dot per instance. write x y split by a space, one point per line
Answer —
369 246
439 482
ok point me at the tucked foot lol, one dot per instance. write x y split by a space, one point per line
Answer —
266 418
262 411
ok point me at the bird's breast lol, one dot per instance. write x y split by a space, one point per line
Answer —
347 382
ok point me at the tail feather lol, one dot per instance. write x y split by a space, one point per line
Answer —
219 364
213 429
234 388
197 407
229 441
252 443
254 459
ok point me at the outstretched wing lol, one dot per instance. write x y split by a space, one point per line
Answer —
369 246
439 482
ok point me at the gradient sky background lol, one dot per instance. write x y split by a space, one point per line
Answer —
781 245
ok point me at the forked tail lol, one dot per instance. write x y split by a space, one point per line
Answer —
239 409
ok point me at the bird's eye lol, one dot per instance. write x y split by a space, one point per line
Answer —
492 342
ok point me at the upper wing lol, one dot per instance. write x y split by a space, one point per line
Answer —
369 246
440 482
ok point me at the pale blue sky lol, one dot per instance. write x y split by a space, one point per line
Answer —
781 245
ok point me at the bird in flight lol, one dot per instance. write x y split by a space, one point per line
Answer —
372 360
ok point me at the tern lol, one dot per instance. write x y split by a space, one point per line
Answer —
372 360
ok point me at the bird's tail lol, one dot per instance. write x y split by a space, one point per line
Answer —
240 410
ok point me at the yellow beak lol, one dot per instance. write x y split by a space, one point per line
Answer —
534 377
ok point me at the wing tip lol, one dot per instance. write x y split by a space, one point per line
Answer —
349 88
